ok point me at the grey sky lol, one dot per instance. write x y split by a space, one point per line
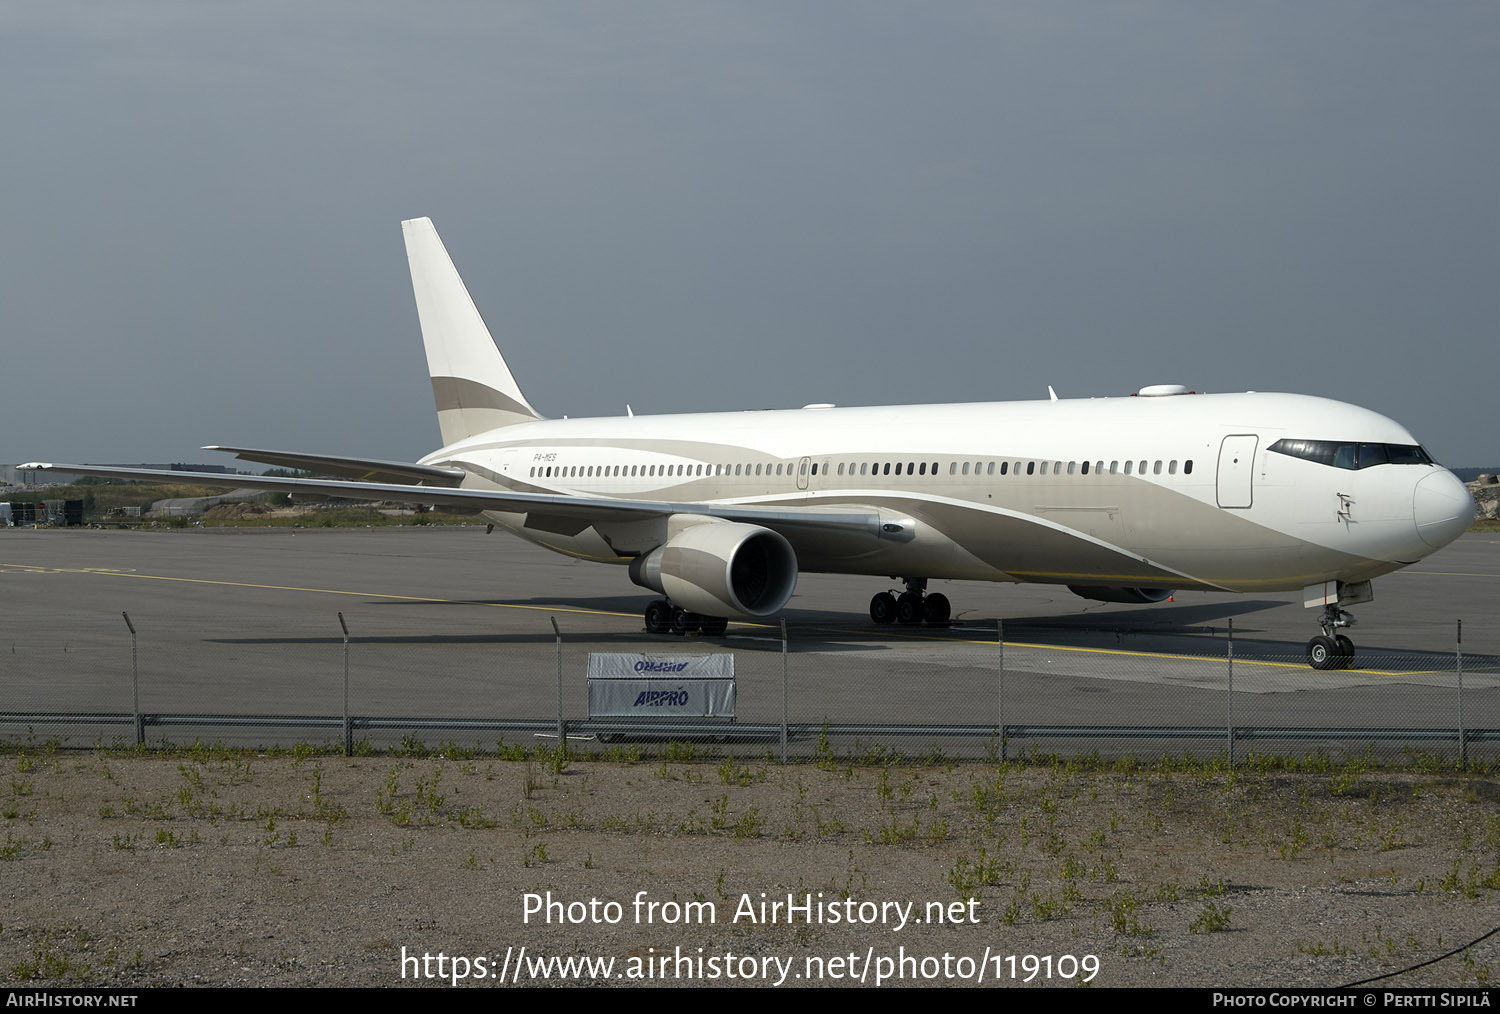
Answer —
692 206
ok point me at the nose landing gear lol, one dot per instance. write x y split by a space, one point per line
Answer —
1330 650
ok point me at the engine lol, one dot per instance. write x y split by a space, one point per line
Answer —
1136 595
721 568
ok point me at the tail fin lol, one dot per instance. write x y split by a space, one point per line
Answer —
471 384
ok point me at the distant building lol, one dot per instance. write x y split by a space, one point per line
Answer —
10 475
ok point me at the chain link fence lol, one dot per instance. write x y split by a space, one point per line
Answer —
960 692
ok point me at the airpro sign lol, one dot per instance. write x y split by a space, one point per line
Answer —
627 685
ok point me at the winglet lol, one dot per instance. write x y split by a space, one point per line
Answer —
473 388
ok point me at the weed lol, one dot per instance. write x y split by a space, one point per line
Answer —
680 753
1213 919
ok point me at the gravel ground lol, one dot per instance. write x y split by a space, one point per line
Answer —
217 867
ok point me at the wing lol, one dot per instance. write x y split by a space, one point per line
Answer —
363 469
586 509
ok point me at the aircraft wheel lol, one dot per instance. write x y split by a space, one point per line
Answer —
684 622
909 608
714 626
1323 653
883 608
1346 651
658 617
936 610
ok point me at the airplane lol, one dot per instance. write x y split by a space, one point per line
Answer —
1121 499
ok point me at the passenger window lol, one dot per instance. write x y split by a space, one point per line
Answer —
1044 468
1127 467
1003 467
1156 468
815 468
1072 465
1098 468
864 468
1114 467
1172 467
1085 470
952 468
922 469
966 468
1031 468
1187 467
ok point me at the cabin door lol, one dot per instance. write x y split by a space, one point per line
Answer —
1236 465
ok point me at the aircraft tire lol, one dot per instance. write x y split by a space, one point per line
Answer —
1323 653
714 626
883 608
936 610
1346 651
684 622
909 608
658 617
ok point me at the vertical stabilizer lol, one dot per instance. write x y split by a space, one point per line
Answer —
471 384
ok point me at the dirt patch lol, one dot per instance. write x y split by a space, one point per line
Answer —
222 868
235 511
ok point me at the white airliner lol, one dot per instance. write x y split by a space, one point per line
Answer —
1120 499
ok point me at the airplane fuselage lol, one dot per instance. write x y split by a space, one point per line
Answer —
1175 491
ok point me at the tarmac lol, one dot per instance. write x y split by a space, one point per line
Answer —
450 621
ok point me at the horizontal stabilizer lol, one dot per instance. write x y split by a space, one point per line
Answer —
363 469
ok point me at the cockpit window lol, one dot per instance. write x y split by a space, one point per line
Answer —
1351 455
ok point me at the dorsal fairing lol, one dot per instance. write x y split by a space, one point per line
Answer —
472 387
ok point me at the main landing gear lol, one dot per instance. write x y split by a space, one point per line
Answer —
662 617
913 606
1330 650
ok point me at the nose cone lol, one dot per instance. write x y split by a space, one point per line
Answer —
1443 508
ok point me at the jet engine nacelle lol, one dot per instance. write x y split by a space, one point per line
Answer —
1135 595
721 568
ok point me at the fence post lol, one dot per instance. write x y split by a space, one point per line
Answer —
348 726
1463 741
135 685
1229 697
1000 686
562 729
783 690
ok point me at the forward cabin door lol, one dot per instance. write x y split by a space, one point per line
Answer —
1236 465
